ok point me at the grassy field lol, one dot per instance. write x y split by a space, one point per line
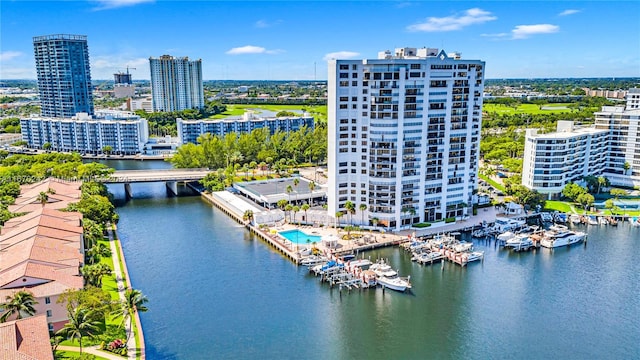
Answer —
59 354
527 109
568 207
319 112
492 182
561 206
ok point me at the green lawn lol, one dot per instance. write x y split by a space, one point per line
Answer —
528 108
59 354
492 182
319 112
562 206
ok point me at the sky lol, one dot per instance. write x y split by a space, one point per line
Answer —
292 40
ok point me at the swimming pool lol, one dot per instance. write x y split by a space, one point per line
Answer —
298 237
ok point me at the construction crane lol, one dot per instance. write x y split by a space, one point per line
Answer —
123 78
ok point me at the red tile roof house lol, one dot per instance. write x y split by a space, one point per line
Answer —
42 251
25 339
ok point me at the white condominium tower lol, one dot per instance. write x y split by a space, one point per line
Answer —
404 135
176 83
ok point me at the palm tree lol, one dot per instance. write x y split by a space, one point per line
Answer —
248 215
295 209
282 203
296 181
289 189
338 216
626 167
288 209
351 209
312 186
362 208
43 198
252 166
412 212
21 303
602 182
96 252
375 221
304 208
93 273
82 323
134 302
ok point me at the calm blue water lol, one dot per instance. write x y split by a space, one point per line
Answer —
217 292
300 237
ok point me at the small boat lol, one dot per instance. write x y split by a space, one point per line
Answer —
480 233
506 236
613 221
592 220
635 221
546 217
430 257
348 257
559 235
360 263
503 225
313 260
474 256
574 218
463 246
520 242
560 218
394 283
603 220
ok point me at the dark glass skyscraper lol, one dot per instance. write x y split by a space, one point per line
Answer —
64 76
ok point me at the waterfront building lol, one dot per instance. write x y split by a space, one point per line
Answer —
124 132
404 134
553 160
64 75
623 125
190 130
43 250
176 83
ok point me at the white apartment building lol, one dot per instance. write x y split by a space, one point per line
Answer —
176 83
623 124
553 160
125 132
404 134
190 130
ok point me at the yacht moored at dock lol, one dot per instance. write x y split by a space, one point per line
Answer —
559 235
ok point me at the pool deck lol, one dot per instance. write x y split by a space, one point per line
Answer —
366 241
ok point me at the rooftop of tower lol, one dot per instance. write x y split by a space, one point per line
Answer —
413 53
60 37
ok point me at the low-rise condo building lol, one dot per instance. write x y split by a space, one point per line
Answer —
553 160
118 132
610 148
190 130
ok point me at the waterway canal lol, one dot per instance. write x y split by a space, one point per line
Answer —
217 292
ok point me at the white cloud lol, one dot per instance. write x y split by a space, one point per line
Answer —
250 49
569 12
340 55
454 22
8 55
525 31
266 24
113 4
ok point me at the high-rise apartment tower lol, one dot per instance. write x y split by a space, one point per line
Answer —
176 83
64 76
404 135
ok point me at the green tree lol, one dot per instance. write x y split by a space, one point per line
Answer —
616 193
282 203
94 273
288 209
351 209
602 182
304 208
248 215
339 214
21 303
572 191
312 186
89 297
107 149
626 167
295 209
96 252
585 199
43 198
375 221
46 146
97 208
362 208
134 301
82 323
289 189
609 204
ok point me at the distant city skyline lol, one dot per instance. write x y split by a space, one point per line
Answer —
293 40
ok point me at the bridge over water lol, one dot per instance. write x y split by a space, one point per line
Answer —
171 177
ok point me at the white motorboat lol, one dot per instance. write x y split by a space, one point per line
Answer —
480 233
505 236
559 235
463 246
592 220
430 257
574 218
503 225
360 263
546 217
313 260
394 283
520 242
381 268
474 256
603 220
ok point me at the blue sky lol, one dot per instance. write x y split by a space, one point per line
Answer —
290 39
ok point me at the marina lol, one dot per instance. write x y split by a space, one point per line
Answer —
206 257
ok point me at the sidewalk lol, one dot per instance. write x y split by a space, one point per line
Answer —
93 350
132 351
